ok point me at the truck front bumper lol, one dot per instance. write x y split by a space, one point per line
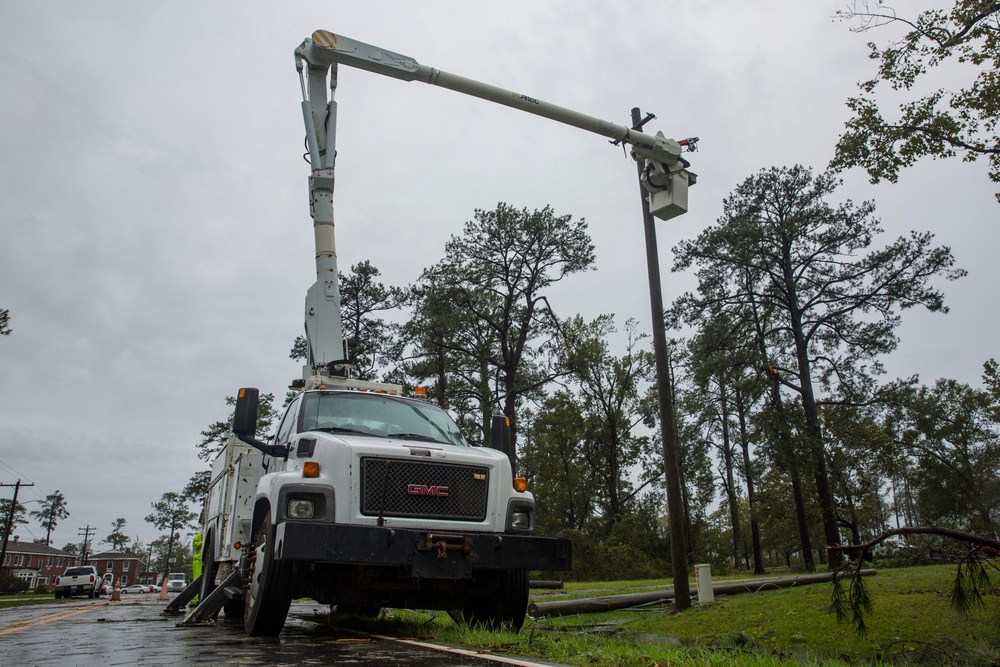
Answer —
428 554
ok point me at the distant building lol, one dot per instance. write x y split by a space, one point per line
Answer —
123 567
38 564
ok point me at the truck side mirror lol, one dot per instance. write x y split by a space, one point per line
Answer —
245 415
245 422
500 439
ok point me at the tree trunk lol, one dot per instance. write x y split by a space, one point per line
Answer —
442 379
485 402
814 437
791 463
727 457
758 557
785 443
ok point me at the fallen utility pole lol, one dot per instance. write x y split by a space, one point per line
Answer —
613 602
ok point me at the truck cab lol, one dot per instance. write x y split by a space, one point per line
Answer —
176 582
367 499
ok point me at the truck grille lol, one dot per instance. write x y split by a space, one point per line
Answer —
391 487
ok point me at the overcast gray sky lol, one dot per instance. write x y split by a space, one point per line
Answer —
155 241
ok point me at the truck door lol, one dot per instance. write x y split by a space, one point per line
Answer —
286 428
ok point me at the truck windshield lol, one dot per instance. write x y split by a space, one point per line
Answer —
378 415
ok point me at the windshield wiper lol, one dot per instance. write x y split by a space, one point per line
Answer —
415 436
341 429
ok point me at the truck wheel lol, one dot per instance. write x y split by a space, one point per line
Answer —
268 593
503 608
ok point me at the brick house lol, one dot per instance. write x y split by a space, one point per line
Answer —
38 564
124 567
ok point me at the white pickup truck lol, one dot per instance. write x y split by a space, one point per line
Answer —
78 580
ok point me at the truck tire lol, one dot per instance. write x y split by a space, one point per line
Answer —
267 593
503 608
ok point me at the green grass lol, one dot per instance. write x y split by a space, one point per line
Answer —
912 623
25 599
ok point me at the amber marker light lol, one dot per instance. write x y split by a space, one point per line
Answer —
310 469
520 484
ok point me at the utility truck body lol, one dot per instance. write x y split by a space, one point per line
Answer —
362 498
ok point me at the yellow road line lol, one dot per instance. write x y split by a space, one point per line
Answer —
48 618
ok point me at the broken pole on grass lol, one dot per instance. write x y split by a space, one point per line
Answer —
613 602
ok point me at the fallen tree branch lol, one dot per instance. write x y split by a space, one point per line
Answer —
978 540
973 575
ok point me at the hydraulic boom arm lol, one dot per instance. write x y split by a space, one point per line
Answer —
665 176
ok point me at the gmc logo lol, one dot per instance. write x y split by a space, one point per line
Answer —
424 490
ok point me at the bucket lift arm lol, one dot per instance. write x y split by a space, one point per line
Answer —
665 177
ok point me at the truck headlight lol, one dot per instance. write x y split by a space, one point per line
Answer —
301 509
520 516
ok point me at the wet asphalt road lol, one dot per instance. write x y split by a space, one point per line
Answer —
134 632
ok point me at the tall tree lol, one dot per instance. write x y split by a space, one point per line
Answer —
991 382
949 433
862 459
556 464
170 513
372 342
452 355
716 363
50 512
612 389
746 392
117 539
168 555
838 297
4 322
498 273
19 517
960 119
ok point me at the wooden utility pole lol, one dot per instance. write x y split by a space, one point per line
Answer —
671 460
85 533
9 526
